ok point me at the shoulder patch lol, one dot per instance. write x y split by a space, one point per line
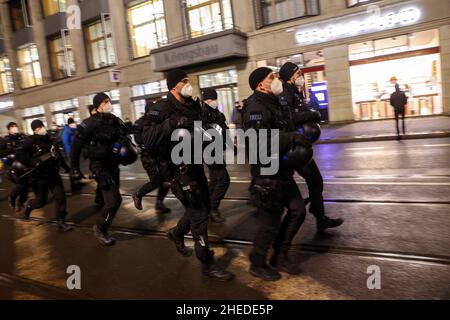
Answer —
256 116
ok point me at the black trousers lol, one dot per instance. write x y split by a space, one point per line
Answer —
219 182
108 179
274 229
191 188
45 181
398 114
314 181
20 191
158 171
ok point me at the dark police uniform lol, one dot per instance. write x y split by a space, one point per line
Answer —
301 115
158 168
42 155
104 134
219 179
275 192
19 194
189 182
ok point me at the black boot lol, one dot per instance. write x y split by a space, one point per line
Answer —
265 272
216 272
11 202
63 226
161 208
282 262
216 217
179 244
99 201
103 237
137 201
27 212
324 223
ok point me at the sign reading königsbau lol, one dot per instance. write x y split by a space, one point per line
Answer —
227 44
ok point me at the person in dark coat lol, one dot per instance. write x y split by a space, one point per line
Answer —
398 102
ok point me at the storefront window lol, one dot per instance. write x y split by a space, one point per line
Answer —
99 44
29 67
6 78
63 110
51 7
419 77
62 59
147 27
225 83
147 92
33 113
272 11
19 14
208 16
402 43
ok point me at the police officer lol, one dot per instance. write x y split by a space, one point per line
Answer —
273 193
106 136
219 179
158 169
11 142
189 182
43 158
293 82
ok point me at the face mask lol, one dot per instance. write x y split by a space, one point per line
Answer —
300 82
276 87
214 104
14 130
73 125
108 108
187 91
42 131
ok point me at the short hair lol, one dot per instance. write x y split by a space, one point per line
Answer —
11 124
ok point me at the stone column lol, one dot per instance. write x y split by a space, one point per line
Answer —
337 70
444 36
120 33
78 47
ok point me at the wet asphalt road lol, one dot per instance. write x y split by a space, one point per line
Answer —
394 197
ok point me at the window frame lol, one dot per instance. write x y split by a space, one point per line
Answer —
259 17
23 48
67 48
186 10
8 76
131 28
45 14
26 17
88 41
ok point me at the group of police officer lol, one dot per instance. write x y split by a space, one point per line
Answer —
103 138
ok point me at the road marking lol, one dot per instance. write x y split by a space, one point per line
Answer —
370 148
370 183
436 145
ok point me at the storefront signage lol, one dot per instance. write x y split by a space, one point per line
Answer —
6 105
373 20
228 45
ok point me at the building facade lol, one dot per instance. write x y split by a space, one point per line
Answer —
56 54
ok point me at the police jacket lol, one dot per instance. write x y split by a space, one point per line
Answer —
299 112
9 146
103 133
163 118
398 100
42 153
264 111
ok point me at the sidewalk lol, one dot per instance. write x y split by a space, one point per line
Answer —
416 128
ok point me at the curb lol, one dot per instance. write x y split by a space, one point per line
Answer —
409 136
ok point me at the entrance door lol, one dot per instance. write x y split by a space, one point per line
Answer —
227 97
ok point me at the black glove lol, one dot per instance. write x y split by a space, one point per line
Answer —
300 140
181 122
76 174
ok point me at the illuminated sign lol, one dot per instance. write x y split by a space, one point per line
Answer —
6 105
371 21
